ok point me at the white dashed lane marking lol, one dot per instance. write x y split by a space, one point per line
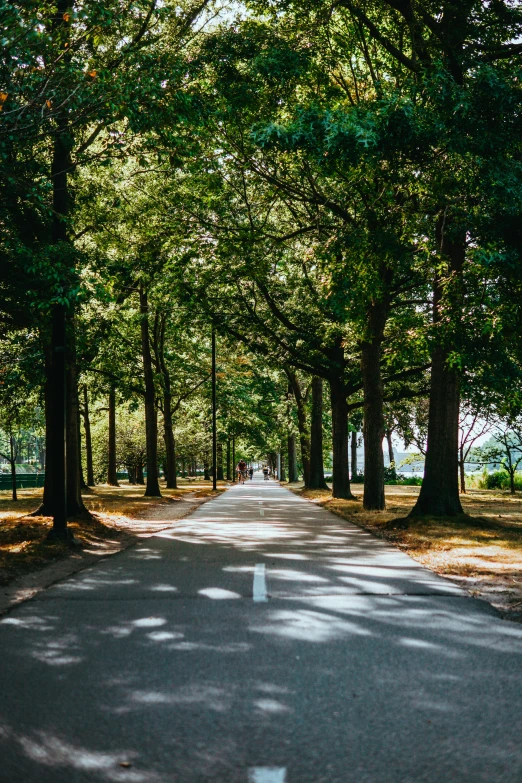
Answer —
267 775
260 593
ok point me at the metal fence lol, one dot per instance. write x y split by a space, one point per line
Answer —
23 480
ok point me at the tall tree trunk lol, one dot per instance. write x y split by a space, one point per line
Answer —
220 461
340 477
112 476
229 475
88 438
373 427
151 420
439 493
353 453
282 477
83 485
45 509
75 504
170 442
292 460
61 499
13 467
317 480
462 471
140 478
301 424
234 474
391 455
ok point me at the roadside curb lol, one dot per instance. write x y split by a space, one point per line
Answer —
27 587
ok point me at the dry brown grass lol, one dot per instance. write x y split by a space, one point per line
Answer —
481 549
23 547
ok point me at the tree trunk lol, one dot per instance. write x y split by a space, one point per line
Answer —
301 424
282 477
373 426
220 461
462 472
75 504
391 455
340 477
140 478
151 420
234 474
292 460
61 498
317 480
88 438
13 467
229 475
170 443
112 476
439 493
353 452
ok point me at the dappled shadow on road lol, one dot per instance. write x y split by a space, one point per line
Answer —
360 662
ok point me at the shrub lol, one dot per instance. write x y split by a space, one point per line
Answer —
499 479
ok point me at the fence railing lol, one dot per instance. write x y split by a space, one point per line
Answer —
23 480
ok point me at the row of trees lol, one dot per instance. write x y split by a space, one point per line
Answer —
333 187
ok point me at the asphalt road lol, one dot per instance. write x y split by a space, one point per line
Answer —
261 640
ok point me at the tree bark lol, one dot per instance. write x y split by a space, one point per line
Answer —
228 460
462 471
151 420
301 424
391 455
88 438
292 460
220 461
13 467
317 480
373 427
439 493
170 442
112 475
75 504
340 477
353 453
140 478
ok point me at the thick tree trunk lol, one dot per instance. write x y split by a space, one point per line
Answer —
301 425
439 494
373 426
140 478
61 498
282 476
292 460
317 480
75 504
353 453
151 419
341 478
88 438
112 475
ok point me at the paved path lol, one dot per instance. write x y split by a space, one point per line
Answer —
261 640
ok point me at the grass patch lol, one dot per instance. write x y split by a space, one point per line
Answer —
23 547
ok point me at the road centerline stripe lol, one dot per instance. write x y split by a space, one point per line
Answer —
267 775
260 593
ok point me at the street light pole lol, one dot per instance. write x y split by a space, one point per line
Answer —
214 419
